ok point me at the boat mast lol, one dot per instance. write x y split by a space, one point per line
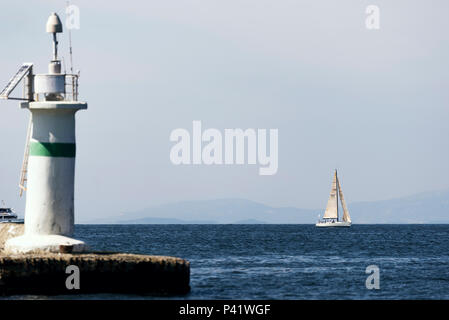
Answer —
336 180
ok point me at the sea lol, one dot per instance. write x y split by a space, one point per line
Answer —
267 261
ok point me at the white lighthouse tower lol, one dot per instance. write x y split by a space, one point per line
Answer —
49 164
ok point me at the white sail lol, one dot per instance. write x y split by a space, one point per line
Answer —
346 216
332 206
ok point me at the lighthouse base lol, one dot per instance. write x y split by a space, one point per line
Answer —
44 243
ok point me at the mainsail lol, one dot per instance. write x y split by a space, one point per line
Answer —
346 216
332 204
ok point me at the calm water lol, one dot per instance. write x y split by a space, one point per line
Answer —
292 261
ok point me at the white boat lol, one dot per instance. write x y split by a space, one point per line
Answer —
8 215
330 218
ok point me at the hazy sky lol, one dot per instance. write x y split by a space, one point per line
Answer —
372 103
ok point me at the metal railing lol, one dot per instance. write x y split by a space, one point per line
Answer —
70 91
71 87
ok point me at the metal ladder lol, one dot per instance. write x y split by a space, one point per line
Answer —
23 172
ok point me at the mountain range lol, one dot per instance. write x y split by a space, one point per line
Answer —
428 207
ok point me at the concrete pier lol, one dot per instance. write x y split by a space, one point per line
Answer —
99 272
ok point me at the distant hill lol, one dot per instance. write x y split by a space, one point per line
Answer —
249 221
151 220
429 207
215 211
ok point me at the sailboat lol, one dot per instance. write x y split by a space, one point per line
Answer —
330 218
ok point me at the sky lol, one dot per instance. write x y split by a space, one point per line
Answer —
372 103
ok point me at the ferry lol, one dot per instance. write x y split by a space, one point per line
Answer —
8 215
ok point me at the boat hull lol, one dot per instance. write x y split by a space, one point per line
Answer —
11 221
328 224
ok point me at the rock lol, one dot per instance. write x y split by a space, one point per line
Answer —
10 230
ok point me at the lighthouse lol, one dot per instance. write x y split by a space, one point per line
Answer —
49 164
37 261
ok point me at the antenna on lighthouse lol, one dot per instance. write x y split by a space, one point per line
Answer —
54 26
70 42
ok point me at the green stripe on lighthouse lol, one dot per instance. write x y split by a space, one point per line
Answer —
48 149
